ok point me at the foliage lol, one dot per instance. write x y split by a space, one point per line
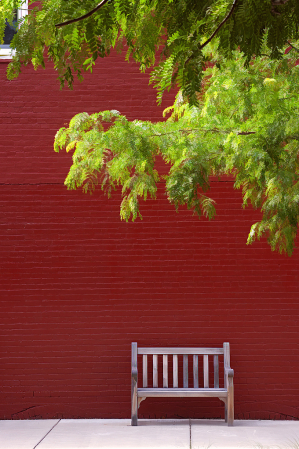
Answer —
237 118
178 28
7 8
246 126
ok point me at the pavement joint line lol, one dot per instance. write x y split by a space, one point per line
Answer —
47 433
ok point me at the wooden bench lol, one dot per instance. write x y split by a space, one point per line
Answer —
225 394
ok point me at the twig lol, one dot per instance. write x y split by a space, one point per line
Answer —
242 133
217 29
246 133
293 46
62 24
276 3
233 113
214 130
176 131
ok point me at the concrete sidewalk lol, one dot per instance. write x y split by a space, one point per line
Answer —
160 434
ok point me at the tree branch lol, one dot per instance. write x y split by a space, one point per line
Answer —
219 26
217 29
279 2
62 24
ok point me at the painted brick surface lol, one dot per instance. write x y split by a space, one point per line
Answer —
78 285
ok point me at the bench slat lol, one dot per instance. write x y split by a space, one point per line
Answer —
216 371
185 371
144 370
226 360
195 371
155 371
175 372
165 371
171 351
182 392
206 371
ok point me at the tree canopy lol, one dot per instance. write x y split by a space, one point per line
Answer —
236 112
167 34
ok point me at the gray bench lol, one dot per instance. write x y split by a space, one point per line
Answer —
225 394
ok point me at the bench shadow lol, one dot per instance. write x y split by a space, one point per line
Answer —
163 422
182 422
195 422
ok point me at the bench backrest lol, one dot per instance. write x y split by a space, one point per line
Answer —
185 352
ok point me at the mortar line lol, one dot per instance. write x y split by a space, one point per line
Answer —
47 434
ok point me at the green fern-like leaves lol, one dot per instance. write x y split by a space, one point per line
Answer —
239 117
245 125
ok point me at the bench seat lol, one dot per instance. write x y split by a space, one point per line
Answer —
182 392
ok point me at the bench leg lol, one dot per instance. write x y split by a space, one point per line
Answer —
134 404
230 402
225 408
134 380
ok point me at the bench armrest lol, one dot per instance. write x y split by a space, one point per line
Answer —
229 372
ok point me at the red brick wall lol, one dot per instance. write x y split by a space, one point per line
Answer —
78 285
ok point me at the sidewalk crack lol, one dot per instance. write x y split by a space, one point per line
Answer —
47 434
